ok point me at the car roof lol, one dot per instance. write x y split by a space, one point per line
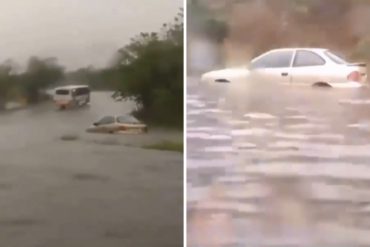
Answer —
68 87
315 49
126 115
117 116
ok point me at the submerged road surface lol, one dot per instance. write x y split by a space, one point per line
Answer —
94 190
278 166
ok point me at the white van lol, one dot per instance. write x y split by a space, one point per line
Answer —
71 96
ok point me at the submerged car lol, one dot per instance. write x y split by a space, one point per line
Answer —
296 66
118 124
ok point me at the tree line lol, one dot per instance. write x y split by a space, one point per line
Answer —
28 86
261 25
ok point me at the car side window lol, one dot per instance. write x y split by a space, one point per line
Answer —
106 120
127 119
276 59
307 58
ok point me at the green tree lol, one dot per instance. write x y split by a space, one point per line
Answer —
151 73
40 74
6 83
9 82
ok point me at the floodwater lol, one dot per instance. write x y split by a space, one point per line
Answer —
93 190
277 166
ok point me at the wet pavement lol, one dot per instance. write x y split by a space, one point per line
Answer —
91 190
277 165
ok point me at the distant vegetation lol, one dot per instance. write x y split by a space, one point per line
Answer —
26 86
254 26
202 20
40 74
148 70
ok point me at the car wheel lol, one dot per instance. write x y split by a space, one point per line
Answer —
321 85
222 81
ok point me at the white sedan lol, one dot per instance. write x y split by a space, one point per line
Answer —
296 66
118 124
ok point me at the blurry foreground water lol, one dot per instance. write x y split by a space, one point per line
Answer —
277 166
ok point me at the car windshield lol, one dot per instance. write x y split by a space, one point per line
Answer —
62 92
128 119
335 58
106 120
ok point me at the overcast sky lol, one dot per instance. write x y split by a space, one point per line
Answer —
78 32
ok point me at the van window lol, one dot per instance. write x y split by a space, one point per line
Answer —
62 92
82 91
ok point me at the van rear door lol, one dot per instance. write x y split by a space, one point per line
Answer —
62 96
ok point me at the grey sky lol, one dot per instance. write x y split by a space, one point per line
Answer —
77 32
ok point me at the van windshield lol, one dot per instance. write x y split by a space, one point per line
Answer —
62 92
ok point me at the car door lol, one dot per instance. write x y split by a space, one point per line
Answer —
308 68
273 67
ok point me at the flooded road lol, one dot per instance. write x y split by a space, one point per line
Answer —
94 190
277 166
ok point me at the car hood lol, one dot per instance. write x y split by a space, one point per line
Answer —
225 75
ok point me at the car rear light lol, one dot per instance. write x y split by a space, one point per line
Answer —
354 76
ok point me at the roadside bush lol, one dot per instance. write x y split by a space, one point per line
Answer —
9 83
40 74
202 21
150 69
28 86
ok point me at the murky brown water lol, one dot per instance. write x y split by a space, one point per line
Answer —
278 166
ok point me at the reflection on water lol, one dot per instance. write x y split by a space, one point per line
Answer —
287 168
